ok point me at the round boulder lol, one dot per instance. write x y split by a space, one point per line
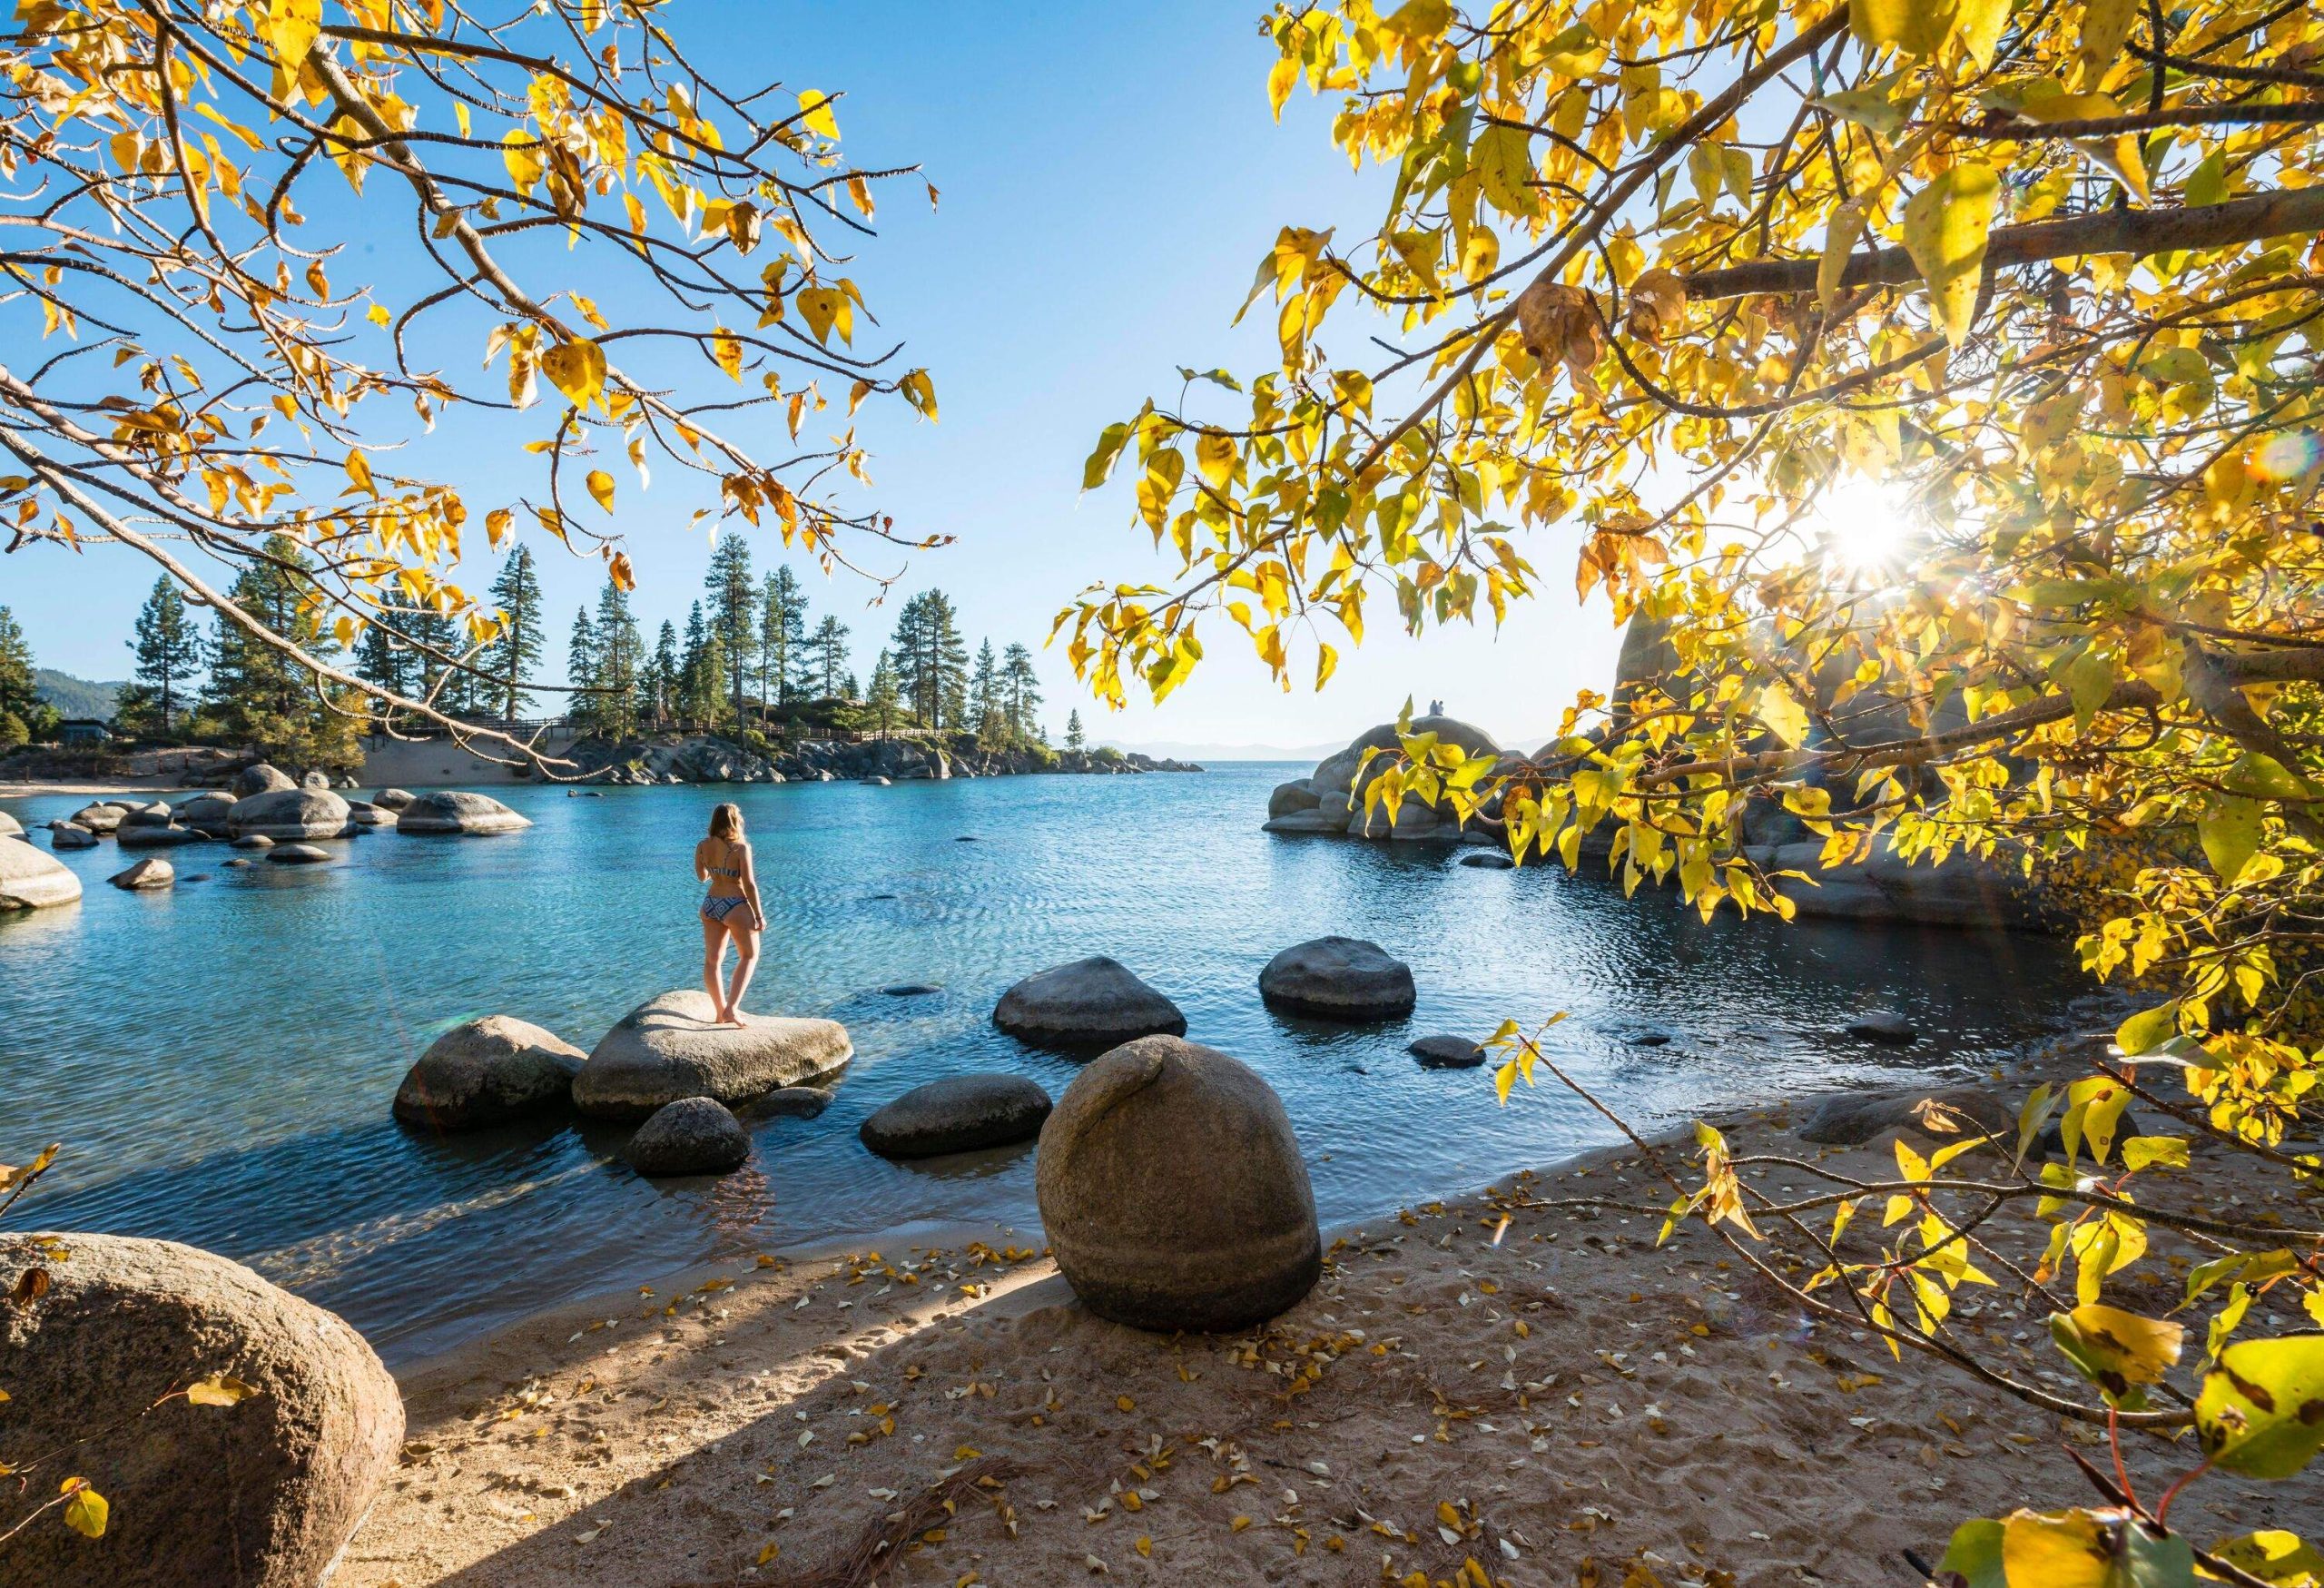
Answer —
1497 859
958 1114
393 799
100 817
263 1492
260 778
666 1048
253 840
1447 1052
365 815
1338 978
1885 1026
70 835
792 1102
1173 1193
29 880
297 854
483 1071
692 1136
150 874
209 813
1091 1003
292 813
450 812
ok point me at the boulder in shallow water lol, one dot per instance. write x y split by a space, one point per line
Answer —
289 814
483 1071
1095 1003
790 1102
666 1048
1882 1025
692 1136
146 835
912 989
1853 1118
101 817
1338 978
253 840
393 799
152 874
209 813
1298 794
958 1114
1173 1193
29 880
262 1493
297 854
451 812
260 778
1495 860
70 835
1447 1052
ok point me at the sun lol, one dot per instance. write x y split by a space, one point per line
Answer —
1863 526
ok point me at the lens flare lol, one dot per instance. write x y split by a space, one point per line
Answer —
2287 455
1862 525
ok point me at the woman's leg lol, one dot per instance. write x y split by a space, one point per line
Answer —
713 950
746 960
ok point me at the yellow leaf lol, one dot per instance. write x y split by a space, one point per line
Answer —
1783 715
1917 27
576 369
2105 27
1841 232
220 1389
290 28
1946 227
816 111
826 309
726 352
358 473
86 1511
1281 78
601 486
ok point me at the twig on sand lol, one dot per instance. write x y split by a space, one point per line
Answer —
880 1543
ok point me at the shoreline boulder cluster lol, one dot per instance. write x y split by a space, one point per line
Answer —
711 758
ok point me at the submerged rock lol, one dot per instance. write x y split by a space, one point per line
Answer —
1496 860
297 854
1882 1025
912 989
1173 1193
29 880
261 1494
1095 1003
692 1136
792 1102
958 1114
450 812
483 1071
150 874
1338 978
152 835
666 1048
1447 1052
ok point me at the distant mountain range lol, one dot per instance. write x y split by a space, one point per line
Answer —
76 696
1185 750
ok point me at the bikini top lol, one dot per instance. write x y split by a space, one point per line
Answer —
730 871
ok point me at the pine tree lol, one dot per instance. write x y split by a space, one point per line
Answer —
518 592
931 663
383 659
1021 689
733 616
1073 739
436 647
21 710
620 657
658 691
985 713
884 699
260 695
829 649
169 654
783 637
699 679
581 674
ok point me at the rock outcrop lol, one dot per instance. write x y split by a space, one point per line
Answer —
29 880
260 778
1173 1193
263 1492
667 1047
102 818
485 1071
960 1113
1330 800
450 813
291 814
1338 978
692 1136
71 835
151 875
1095 1003
393 799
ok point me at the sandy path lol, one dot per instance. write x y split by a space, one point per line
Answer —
1566 1394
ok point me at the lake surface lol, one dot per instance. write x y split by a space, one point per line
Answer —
218 1059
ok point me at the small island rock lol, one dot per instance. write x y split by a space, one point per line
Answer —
1447 1052
1496 860
1338 978
101 817
150 874
134 835
451 812
1095 1003
263 1494
393 799
483 1071
70 835
29 880
958 1114
1173 1193
692 1136
289 814
666 1048
1882 1025
297 854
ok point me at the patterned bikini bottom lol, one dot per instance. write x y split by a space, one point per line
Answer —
716 909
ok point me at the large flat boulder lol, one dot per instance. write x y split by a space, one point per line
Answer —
485 1071
667 1047
450 813
29 880
1338 978
960 1113
101 817
1095 1003
155 836
261 1494
692 1136
289 814
1173 1193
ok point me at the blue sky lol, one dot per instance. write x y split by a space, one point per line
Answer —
1110 176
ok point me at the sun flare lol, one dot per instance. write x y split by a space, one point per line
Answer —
1863 526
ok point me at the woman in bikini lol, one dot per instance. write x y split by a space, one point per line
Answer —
730 910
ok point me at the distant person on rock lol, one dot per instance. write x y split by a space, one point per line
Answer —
730 910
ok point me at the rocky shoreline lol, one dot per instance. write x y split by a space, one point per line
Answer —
672 758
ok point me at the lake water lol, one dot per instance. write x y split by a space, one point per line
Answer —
218 1059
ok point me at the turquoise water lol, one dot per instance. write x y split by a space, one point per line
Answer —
218 1059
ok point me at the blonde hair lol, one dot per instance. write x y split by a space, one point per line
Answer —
726 822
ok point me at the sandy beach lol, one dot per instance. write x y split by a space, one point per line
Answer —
1516 1378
